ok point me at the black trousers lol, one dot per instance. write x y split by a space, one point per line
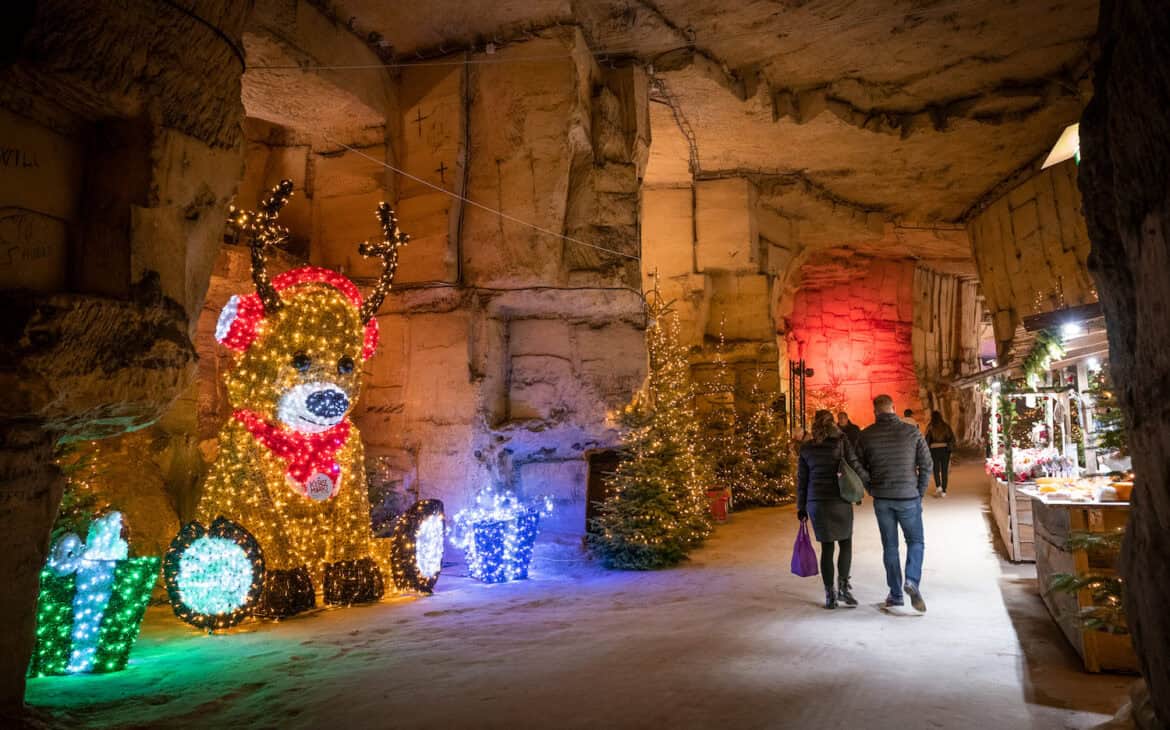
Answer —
942 466
844 561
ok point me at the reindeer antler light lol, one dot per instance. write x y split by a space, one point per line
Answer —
265 234
387 250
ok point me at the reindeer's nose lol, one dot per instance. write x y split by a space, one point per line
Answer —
327 403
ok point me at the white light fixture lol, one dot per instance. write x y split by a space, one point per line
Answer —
1071 329
1066 148
1093 364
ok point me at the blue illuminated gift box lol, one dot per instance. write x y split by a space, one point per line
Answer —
497 535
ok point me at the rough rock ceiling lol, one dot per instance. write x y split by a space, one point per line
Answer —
912 109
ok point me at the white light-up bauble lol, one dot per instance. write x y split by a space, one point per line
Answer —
428 542
215 575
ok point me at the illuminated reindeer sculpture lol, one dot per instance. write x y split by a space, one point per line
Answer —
290 467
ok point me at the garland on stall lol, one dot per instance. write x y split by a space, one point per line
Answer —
1047 346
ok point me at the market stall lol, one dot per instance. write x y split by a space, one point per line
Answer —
1078 528
1041 417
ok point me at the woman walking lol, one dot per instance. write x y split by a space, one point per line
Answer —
941 438
818 497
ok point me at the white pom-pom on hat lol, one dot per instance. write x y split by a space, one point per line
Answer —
227 316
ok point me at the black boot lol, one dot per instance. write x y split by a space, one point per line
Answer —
845 593
830 598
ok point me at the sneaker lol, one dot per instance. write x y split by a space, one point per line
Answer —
943 495
891 601
939 493
915 597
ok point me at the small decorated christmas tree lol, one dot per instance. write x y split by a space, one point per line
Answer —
768 448
725 436
1110 423
656 509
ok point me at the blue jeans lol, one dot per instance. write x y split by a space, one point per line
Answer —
908 514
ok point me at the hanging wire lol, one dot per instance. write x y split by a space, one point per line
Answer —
481 206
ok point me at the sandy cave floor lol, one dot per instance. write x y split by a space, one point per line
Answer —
730 639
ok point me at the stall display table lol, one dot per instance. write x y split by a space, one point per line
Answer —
1054 522
1011 508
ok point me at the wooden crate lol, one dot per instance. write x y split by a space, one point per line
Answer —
1012 512
1100 651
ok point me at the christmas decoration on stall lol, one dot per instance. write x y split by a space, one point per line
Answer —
497 535
766 436
725 440
290 469
92 599
214 575
1107 611
1047 346
1107 416
656 508
416 547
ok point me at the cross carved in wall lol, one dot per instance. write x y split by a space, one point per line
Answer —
419 119
442 170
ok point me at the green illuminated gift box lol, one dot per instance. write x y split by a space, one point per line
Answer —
91 602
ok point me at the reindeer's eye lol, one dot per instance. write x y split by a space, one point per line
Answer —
301 361
345 365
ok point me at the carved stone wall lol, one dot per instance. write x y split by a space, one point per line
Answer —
506 348
948 318
1031 248
855 330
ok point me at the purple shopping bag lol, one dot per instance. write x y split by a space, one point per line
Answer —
804 558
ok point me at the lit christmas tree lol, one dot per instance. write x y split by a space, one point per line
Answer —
1110 424
767 445
725 437
656 511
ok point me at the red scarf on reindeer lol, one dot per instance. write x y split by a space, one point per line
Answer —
311 469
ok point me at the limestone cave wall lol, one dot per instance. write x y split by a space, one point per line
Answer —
122 147
948 331
852 322
1031 248
702 249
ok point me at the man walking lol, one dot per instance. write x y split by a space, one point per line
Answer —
899 466
851 430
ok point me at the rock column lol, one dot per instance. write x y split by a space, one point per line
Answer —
1125 181
125 119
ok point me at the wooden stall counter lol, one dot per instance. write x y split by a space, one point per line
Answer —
1011 508
1054 522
